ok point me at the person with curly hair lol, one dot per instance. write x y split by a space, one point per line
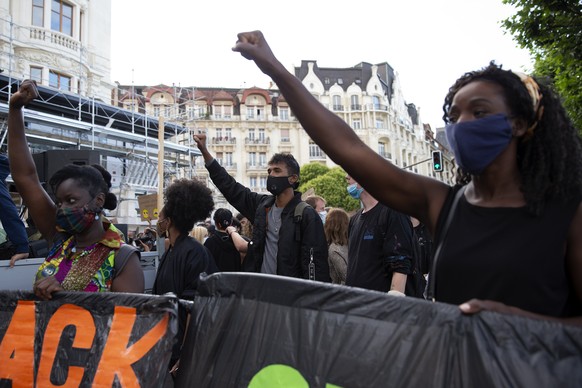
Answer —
186 201
88 252
508 233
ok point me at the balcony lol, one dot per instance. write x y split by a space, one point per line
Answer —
256 166
338 108
263 140
386 155
222 140
54 38
378 107
230 167
356 107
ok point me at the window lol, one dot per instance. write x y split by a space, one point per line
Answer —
251 134
262 135
167 111
62 17
382 149
250 112
219 133
314 151
219 158
285 136
340 81
337 103
262 159
36 74
156 110
38 13
376 100
355 102
263 182
253 159
284 114
227 111
357 124
326 80
228 159
253 181
228 133
379 123
59 81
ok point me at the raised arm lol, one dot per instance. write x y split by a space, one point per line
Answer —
41 208
404 191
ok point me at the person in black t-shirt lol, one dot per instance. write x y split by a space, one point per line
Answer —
380 253
226 256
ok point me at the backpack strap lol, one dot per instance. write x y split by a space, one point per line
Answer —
122 256
298 217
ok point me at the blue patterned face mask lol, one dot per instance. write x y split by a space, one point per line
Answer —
477 143
354 191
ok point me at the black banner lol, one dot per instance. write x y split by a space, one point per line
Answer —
85 339
265 331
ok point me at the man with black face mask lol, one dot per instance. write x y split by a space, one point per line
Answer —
280 245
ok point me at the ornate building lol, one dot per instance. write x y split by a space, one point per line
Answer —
65 47
245 127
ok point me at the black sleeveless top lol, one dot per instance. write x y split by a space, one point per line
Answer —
508 255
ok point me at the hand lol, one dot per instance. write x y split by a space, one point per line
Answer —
477 305
230 229
200 139
174 369
45 287
253 46
146 247
18 256
25 94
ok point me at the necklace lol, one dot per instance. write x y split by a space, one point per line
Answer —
276 221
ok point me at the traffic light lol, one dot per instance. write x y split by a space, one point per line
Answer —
437 161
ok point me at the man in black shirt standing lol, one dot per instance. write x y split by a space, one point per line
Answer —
283 243
380 254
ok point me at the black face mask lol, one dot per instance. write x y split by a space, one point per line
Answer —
277 184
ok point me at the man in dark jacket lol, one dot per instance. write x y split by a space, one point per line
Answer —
279 245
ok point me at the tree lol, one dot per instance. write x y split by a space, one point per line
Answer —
552 31
312 170
330 185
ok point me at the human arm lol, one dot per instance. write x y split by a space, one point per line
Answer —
131 277
240 243
397 249
574 268
11 222
238 195
40 206
402 190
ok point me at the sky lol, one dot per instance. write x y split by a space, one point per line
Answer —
429 43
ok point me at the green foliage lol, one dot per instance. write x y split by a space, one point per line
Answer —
552 31
312 170
330 185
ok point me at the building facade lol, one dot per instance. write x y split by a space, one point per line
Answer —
245 127
64 45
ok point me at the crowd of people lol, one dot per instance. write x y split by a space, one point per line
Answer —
504 238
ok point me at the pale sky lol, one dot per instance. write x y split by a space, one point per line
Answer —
429 43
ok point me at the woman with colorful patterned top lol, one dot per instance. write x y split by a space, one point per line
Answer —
84 244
